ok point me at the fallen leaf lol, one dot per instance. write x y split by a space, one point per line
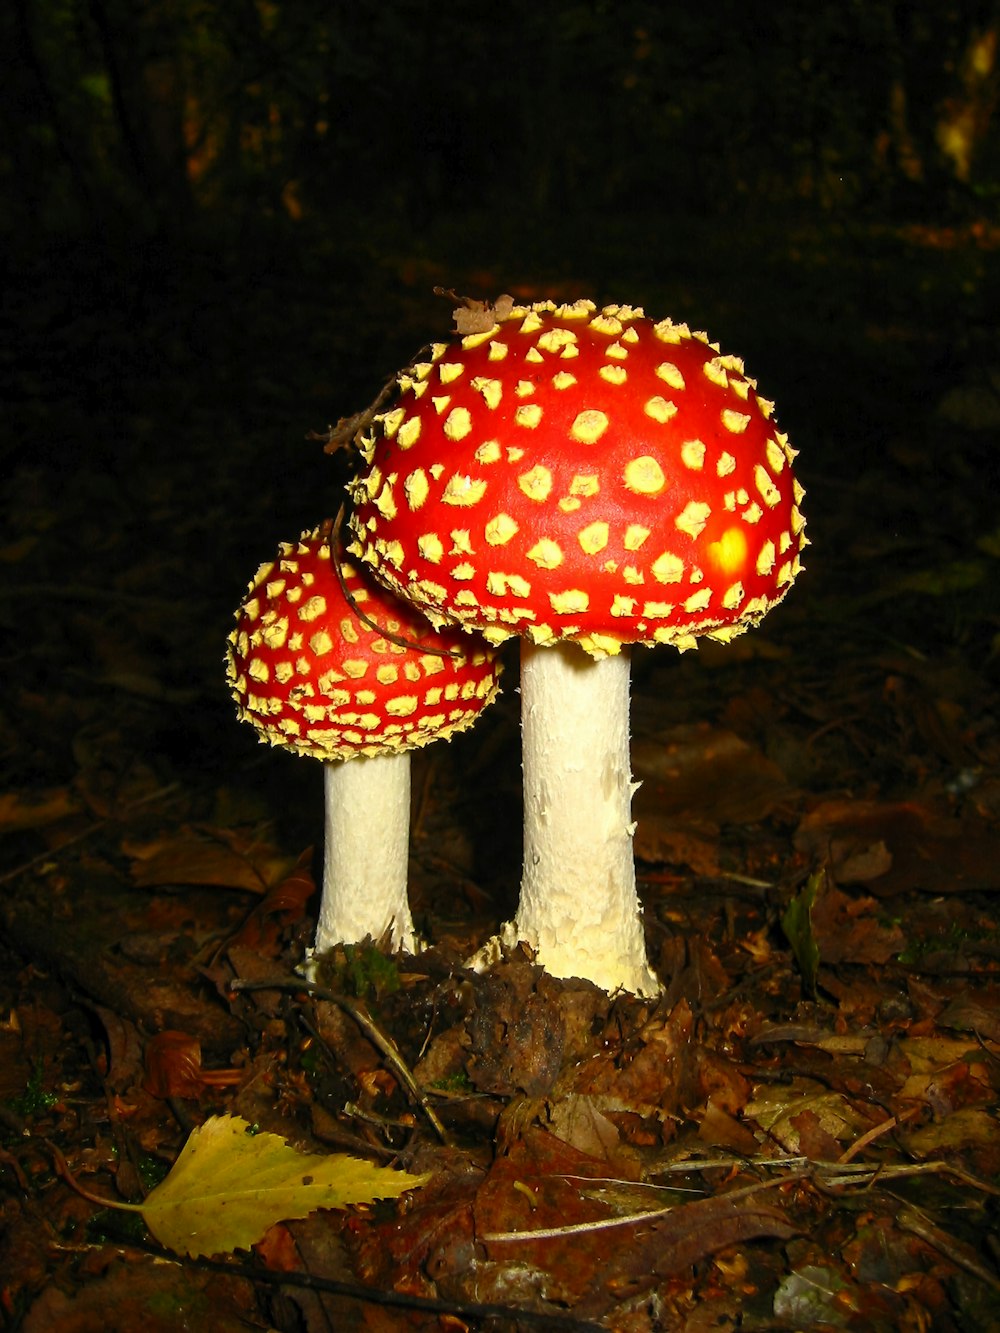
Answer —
965 1014
903 846
778 1111
848 929
946 1072
651 1082
659 842
229 1186
24 810
720 1129
193 858
579 1122
808 1297
283 904
689 1233
542 1184
969 1126
706 773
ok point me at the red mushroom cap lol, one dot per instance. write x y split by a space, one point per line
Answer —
310 675
572 474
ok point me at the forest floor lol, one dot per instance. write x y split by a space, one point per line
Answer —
802 1132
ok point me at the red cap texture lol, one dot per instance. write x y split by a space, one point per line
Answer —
565 473
309 674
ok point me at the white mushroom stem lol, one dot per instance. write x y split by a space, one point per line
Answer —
367 833
579 910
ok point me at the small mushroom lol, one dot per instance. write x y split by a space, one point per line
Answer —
349 674
586 479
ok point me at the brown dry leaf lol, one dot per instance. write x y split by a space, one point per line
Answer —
283 904
719 1081
649 1080
660 842
947 1072
903 846
815 1140
967 1127
692 1231
778 1111
143 1294
24 810
695 778
967 1014
720 1129
207 857
428 1249
704 773
580 1121
540 1184
848 930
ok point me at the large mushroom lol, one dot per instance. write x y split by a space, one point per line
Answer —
586 480
340 669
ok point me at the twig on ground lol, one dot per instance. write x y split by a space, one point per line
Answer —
381 1040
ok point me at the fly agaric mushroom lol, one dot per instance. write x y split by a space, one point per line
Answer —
586 480
309 673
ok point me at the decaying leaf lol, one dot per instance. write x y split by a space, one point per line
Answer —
850 929
208 857
898 847
229 1186
808 1297
23 810
693 1231
790 1114
969 1125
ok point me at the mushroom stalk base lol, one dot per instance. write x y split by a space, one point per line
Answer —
367 831
579 910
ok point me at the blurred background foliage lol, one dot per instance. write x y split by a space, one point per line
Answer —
168 118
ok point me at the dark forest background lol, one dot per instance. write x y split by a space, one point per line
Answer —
167 117
242 208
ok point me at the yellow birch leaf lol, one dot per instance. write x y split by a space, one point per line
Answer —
228 1186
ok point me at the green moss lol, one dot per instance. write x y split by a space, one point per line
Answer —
364 972
35 1099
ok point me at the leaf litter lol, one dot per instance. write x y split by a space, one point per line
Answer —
802 1131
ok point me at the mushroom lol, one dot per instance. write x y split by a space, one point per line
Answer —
339 669
586 480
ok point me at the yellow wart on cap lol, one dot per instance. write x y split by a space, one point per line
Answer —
644 476
589 426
